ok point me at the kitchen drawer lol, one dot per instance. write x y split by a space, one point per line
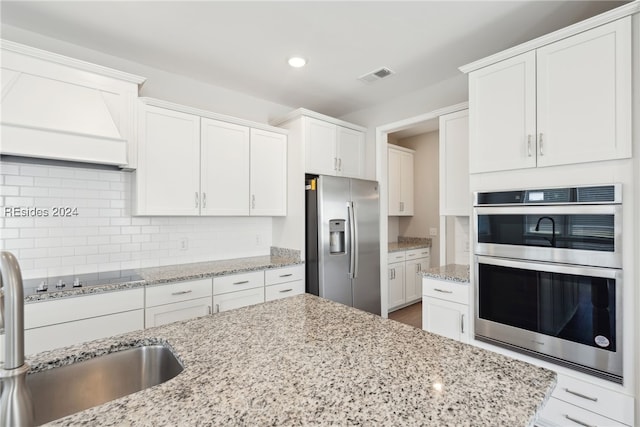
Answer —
177 291
238 282
283 290
232 300
417 253
446 290
286 274
62 310
595 399
396 257
70 333
563 414
175 312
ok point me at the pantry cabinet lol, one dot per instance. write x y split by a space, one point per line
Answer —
552 106
190 164
400 179
455 196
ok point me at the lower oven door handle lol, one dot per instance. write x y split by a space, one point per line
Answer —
548 267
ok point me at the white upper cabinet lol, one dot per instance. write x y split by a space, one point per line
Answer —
584 96
320 147
350 152
168 174
563 103
400 178
192 163
331 146
268 173
55 107
225 168
455 196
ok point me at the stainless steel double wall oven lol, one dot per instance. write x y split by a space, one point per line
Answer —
548 274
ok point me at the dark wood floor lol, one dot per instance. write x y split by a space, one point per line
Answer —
411 315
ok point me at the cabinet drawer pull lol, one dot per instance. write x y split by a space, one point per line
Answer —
286 275
209 309
181 292
217 308
443 291
339 164
540 144
582 423
241 283
197 199
285 290
462 324
529 145
204 200
575 393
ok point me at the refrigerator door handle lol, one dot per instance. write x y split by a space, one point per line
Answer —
353 229
353 248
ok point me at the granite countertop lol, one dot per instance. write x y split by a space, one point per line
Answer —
452 272
408 243
305 360
161 275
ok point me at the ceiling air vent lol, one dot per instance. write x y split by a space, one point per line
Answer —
376 75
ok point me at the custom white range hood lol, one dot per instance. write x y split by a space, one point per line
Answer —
56 107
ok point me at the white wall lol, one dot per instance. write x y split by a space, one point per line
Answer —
161 84
448 92
425 190
104 236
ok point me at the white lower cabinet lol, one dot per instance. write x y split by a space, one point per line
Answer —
283 282
177 301
578 403
238 290
404 278
68 321
238 299
445 308
177 311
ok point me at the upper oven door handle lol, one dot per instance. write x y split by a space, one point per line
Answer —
549 267
549 210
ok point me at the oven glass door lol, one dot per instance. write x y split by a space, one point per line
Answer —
566 302
583 235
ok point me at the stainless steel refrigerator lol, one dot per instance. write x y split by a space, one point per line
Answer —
343 241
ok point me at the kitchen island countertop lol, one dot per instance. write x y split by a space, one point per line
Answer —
304 360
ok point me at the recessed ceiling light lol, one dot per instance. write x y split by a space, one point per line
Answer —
297 61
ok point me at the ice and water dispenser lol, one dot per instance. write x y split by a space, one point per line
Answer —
336 236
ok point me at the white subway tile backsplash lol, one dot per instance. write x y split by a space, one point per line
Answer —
104 236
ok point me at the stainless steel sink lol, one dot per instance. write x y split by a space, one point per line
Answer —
62 391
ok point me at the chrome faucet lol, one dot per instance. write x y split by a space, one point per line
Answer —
552 240
16 407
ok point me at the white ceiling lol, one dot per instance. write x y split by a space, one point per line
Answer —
244 46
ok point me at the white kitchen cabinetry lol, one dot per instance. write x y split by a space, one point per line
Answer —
177 301
333 149
224 165
552 106
575 402
331 146
55 107
268 173
68 321
405 285
400 178
284 282
238 290
192 163
168 174
455 196
445 308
